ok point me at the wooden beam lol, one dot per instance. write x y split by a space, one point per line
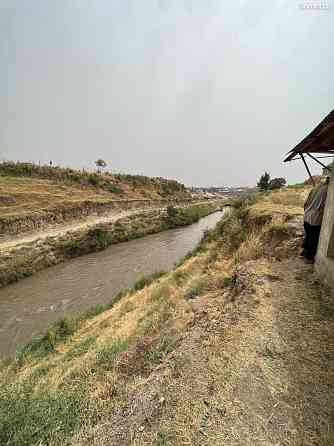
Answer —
318 157
319 162
307 168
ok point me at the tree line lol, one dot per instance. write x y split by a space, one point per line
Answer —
267 183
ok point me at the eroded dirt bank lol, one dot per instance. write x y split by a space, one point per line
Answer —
72 214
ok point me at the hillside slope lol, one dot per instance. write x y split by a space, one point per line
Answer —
234 347
32 196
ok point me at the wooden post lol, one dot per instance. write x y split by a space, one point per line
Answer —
307 168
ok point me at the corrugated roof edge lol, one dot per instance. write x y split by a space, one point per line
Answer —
314 142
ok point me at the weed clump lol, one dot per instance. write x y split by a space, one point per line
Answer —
166 344
107 355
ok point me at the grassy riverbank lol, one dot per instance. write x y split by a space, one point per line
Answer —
201 355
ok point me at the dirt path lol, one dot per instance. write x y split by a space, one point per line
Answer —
10 241
255 372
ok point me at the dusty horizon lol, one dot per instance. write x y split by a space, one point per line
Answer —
208 94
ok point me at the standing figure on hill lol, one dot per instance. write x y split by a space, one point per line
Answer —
313 213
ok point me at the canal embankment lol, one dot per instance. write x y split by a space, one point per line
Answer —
74 287
21 257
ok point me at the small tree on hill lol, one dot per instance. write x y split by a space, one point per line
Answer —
277 183
264 181
100 164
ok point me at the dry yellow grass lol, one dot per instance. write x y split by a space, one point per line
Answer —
21 196
28 195
286 202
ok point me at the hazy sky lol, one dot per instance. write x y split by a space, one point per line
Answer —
209 92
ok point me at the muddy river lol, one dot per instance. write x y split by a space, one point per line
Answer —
30 306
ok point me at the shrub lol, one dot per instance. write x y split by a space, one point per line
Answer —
112 188
72 248
99 237
171 211
93 179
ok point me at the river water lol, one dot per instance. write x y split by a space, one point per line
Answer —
31 305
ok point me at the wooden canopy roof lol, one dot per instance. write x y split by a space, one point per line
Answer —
320 140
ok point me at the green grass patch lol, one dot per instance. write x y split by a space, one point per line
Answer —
80 348
46 343
36 418
158 352
147 280
107 355
162 439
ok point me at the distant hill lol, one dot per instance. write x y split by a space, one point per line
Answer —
134 186
28 189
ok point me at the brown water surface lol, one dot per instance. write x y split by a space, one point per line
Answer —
30 306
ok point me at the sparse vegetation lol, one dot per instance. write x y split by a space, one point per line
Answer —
161 348
107 354
196 288
147 280
107 181
38 195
